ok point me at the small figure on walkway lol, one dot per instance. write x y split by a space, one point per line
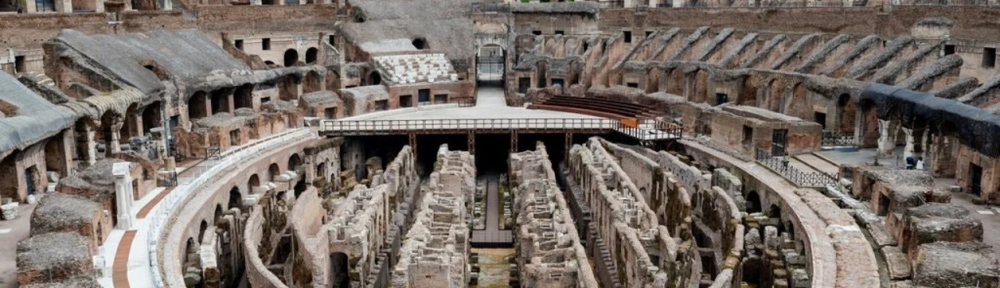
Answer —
784 162
909 163
920 163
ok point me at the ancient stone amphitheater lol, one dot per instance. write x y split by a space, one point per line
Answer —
447 143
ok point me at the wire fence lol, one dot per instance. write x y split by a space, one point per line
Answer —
641 130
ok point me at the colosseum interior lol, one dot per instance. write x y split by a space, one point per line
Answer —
488 143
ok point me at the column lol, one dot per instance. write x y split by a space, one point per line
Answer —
113 146
887 137
123 193
89 146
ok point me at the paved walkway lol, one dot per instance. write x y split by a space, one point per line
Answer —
819 164
12 232
492 235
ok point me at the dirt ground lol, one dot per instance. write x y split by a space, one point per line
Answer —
494 269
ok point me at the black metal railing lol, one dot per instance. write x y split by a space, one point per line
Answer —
831 138
782 166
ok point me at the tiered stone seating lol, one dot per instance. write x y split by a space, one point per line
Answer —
419 68
602 107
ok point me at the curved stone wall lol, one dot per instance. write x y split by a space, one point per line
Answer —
234 170
838 254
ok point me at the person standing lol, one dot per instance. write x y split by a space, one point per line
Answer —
920 163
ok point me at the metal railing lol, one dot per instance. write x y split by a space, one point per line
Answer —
655 130
830 138
796 176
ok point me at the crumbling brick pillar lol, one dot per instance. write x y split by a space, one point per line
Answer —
122 172
887 137
86 147
112 143
944 157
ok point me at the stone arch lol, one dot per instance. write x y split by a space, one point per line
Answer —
288 88
197 106
220 101
675 84
190 248
776 95
332 80
749 95
291 57
846 113
312 82
235 198
152 116
700 87
218 213
201 230
243 97
652 79
253 182
108 131
273 171
312 54
754 204
294 161
774 211
798 104
131 124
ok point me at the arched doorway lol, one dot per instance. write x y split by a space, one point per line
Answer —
753 202
311 55
253 182
490 64
293 162
273 171
235 198
340 268
291 57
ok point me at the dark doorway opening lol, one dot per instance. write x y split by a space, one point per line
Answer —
820 118
975 179
424 95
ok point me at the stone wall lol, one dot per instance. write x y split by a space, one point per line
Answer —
436 247
706 211
835 255
637 239
545 258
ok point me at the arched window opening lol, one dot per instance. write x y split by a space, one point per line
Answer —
291 57
311 55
